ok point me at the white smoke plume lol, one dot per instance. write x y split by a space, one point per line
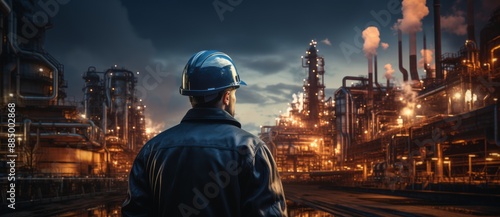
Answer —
388 71
413 13
153 128
371 35
454 23
301 101
427 57
298 101
384 45
327 42
294 96
409 99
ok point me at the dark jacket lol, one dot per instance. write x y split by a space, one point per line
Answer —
205 166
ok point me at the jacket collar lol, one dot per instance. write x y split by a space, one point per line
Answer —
210 115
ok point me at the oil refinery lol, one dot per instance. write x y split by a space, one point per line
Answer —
62 147
438 128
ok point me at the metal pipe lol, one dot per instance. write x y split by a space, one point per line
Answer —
428 72
5 11
54 124
349 111
400 57
431 92
125 126
413 57
12 36
5 7
470 21
67 135
107 87
495 118
375 70
93 127
352 78
26 131
1 34
370 81
437 39
104 118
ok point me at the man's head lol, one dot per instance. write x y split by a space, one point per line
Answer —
210 79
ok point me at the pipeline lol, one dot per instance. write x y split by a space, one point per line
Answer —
428 72
470 21
362 79
5 11
495 118
437 39
12 36
437 90
375 70
400 57
413 57
5 7
26 130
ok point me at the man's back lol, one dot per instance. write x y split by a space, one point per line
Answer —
205 166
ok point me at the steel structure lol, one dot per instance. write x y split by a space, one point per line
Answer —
302 139
56 143
442 127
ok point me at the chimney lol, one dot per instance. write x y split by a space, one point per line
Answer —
470 21
370 80
428 71
376 73
400 57
413 57
437 39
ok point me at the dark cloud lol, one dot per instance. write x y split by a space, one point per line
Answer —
263 37
267 66
270 94
95 33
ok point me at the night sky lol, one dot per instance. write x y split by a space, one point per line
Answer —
265 39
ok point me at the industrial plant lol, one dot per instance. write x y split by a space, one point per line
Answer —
439 127
61 147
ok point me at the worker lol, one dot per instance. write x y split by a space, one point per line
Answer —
206 165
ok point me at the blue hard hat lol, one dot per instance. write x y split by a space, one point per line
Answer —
209 72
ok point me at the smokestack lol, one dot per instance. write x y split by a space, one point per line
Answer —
376 72
437 39
400 57
470 21
428 72
370 80
413 56
388 73
371 35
